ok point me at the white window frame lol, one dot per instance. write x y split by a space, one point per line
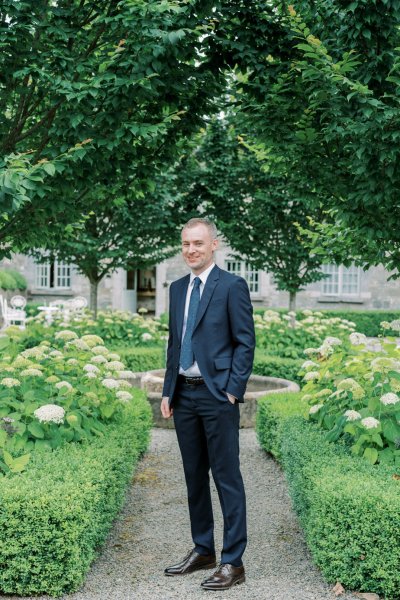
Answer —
243 269
62 275
340 270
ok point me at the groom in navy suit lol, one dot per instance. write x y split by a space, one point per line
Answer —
209 360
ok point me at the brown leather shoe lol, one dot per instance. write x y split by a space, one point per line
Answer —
224 578
192 562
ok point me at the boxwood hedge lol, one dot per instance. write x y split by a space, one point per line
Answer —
55 516
349 510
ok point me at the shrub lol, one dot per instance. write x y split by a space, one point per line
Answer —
276 366
20 281
278 335
51 394
7 281
54 517
349 509
143 359
354 394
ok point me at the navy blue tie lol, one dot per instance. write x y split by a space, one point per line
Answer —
187 356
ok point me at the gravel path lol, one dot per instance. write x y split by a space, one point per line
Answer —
153 532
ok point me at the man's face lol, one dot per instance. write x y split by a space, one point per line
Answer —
198 247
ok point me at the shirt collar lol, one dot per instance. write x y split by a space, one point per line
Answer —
203 276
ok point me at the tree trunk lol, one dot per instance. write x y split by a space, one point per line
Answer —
93 297
292 307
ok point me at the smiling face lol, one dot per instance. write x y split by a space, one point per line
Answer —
198 247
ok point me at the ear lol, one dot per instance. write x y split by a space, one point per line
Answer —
215 244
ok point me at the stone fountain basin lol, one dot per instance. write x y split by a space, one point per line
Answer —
258 386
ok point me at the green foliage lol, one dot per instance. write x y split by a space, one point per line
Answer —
366 321
284 335
272 412
54 394
93 94
10 279
32 309
55 516
353 393
139 359
349 511
277 366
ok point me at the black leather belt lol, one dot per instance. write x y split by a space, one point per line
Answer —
191 380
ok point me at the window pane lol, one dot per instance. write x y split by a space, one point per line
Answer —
330 285
42 275
63 275
350 280
233 266
251 276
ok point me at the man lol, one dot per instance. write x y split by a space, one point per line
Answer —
209 360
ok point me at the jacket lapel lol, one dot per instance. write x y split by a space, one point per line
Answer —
180 304
211 282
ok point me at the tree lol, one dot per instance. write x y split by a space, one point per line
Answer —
120 82
326 103
124 229
257 209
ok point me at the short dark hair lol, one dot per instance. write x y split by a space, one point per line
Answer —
212 228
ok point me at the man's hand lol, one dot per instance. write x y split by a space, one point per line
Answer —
166 410
231 398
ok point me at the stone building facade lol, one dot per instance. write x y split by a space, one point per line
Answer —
130 290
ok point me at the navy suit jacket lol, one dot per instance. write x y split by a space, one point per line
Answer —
223 337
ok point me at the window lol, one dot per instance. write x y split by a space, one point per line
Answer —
53 275
341 281
239 267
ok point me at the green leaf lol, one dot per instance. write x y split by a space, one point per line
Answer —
49 168
371 455
36 429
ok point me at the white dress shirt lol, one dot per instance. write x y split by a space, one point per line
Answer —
193 370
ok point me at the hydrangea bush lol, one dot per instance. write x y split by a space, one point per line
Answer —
284 335
64 390
116 327
354 393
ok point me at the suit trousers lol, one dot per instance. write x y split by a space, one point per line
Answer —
208 436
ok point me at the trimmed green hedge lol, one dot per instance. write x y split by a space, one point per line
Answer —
138 358
277 366
349 509
10 279
54 516
367 321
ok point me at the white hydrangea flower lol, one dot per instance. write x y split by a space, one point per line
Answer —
91 368
99 359
308 364
332 341
91 375
307 312
125 374
395 325
100 350
115 365
389 398
66 335
306 397
64 384
124 396
52 379
323 393
73 361
357 339
8 368
37 352
113 356
310 351
312 376
383 364
10 382
146 337
124 385
110 383
352 415
78 344
314 409
369 422
31 373
56 353
325 349
50 413
350 385
385 325
92 340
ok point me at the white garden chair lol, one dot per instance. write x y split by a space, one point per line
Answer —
14 314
